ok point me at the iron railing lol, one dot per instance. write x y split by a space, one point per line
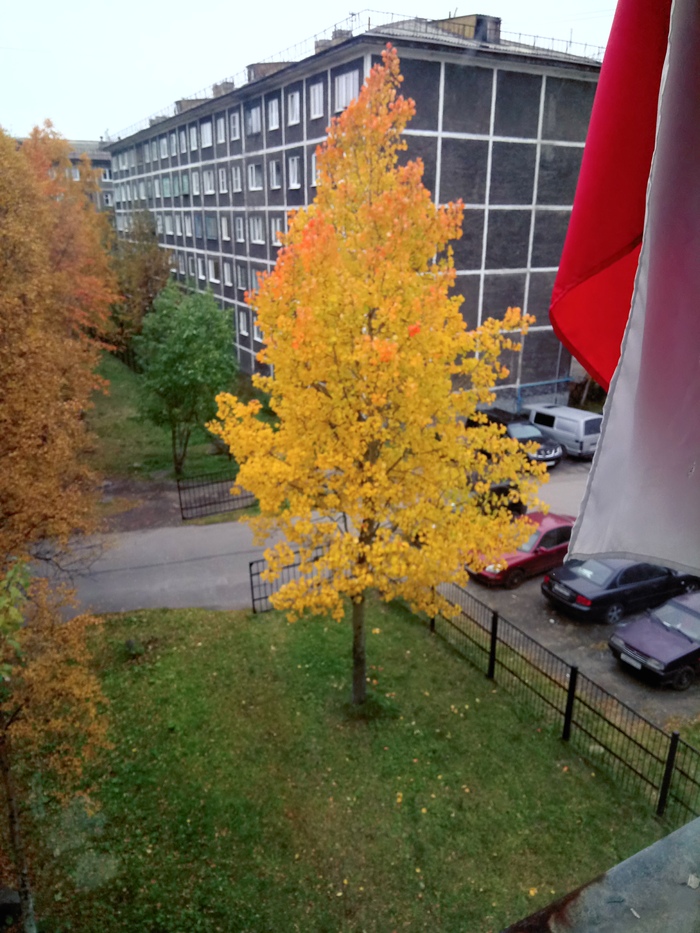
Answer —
604 730
210 494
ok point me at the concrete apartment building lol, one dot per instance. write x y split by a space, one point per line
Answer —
500 124
101 161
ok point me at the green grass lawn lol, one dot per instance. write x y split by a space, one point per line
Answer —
128 446
244 794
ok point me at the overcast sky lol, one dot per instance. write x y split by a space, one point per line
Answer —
93 67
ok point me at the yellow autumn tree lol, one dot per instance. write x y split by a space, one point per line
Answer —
377 475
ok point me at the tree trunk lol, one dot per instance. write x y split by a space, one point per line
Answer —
359 657
180 440
26 898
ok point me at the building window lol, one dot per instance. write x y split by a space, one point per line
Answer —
159 223
183 142
275 170
223 181
149 187
213 270
276 227
142 190
253 122
273 114
240 229
169 224
147 152
205 130
243 322
208 181
228 273
316 100
185 182
190 265
176 186
195 182
132 157
255 179
188 225
225 229
193 137
294 174
257 229
236 178
106 174
293 108
211 227
181 263
200 267
198 228
173 144
164 147
257 333
314 170
235 121
347 87
156 187
242 278
167 189
154 150
221 129
107 199
178 224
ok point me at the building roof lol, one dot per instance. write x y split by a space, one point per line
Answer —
473 34
94 149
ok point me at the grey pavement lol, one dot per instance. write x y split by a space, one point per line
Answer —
206 566
203 566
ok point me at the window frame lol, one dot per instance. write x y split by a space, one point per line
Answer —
294 172
206 135
273 113
293 108
221 130
316 98
255 176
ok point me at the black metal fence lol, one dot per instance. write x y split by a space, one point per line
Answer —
210 494
604 730
128 356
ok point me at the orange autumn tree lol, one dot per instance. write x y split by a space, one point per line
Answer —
55 293
375 378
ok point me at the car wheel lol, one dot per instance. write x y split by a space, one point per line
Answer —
683 678
614 613
514 578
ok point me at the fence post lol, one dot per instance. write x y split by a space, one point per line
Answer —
492 647
668 774
252 588
570 697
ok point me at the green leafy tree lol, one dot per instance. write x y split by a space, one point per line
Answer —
142 270
186 352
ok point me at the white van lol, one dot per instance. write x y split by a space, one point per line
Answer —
577 431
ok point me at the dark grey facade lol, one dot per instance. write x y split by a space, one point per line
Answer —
501 126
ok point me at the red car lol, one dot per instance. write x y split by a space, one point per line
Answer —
544 549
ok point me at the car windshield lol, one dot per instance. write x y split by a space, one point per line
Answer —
591 570
525 432
531 542
674 616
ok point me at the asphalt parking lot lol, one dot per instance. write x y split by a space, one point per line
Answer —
584 644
